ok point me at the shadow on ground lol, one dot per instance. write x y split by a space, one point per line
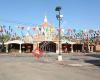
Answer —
94 62
93 55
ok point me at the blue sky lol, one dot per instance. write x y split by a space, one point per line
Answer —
78 14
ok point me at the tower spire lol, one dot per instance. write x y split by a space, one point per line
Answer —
45 19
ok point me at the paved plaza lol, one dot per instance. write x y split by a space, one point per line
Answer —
73 67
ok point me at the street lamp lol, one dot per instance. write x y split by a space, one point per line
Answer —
59 18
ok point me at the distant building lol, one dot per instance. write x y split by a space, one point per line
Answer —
46 39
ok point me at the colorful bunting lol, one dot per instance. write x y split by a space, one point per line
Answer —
69 30
51 30
9 27
58 30
34 28
46 29
39 29
28 28
1 29
74 30
22 28
91 31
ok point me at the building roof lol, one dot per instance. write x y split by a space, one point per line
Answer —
27 38
14 41
66 41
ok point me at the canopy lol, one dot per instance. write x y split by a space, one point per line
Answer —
15 41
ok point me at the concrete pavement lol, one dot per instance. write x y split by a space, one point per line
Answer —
26 67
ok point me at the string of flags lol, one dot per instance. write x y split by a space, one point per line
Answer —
45 28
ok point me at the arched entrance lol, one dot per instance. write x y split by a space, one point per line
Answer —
13 47
77 47
48 46
27 47
66 47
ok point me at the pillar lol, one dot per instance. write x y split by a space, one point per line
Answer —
38 44
88 48
57 48
7 48
71 48
20 51
82 47
33 47
91 48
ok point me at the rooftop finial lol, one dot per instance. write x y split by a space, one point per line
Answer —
45 18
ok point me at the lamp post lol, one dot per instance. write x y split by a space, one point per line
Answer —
59 17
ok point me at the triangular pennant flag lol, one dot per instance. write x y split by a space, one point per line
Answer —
9 27
28 28
22 28
1 29
34 28
39 29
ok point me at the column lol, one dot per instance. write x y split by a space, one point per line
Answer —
38 45
20 49
7 48
71 48
91 48
88 48
57 48
33 47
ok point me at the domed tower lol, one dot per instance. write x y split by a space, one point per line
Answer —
47 30
45 22
45 39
